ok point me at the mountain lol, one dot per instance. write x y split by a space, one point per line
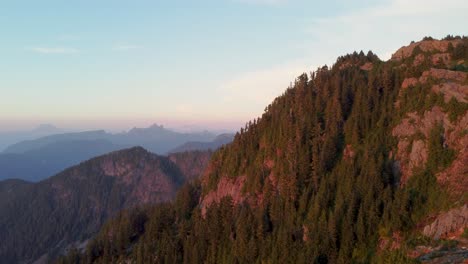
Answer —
34 144
219 141
191 163
155 138
43 219
158 139
361 162
34 160
47 160
9 138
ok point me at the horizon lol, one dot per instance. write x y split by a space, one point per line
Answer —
122 126
207 65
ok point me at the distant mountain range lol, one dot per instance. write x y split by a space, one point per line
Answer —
12 137
39 163
46 217
36 159
155 138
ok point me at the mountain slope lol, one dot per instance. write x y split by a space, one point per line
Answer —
70 207
191 163
323 175
219 141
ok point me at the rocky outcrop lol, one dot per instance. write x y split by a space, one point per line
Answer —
425 46
442 74
412 134
226 188
451 84
413 131
449 90
408 82
455 177
441 58
450 223
436 74
419 59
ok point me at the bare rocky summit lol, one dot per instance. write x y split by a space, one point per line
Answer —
426 46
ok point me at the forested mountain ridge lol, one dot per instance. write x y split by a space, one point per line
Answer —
44 218
219 141
407 98
361 162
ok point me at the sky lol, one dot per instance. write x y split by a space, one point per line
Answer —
199 64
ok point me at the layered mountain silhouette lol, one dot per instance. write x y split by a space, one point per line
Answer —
43 219
47 160
155 138
37 159
12 137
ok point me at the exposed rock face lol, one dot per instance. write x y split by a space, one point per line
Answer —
436 59
412 153
407 161
455 177
425 45
449 90
437 74
226 188
451 84
446 224
413 131
444 75
419 59
409 82
441 58
412 134
418 155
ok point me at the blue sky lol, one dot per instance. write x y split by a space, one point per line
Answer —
187 64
